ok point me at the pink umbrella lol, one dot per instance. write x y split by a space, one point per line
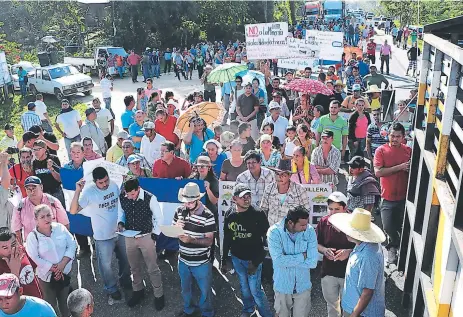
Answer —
309 86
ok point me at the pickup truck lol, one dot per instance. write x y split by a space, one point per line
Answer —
61 80
90 60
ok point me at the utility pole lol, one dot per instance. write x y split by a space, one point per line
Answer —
113 24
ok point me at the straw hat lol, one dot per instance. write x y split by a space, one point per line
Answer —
203 161
373 88
358 226
339 83
189 193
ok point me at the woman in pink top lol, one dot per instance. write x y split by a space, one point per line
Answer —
358 125
303 171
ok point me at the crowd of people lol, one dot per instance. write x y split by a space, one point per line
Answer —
271 143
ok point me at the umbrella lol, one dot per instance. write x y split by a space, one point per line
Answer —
211 112
309 86
249 75
49 39
225 72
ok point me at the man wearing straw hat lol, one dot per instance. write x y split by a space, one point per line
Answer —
195 249
363 293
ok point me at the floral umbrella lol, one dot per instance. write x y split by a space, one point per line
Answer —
309 86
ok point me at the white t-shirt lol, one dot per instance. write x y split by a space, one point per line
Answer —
106 86
103 207
103 117
152 150
40 109
69 121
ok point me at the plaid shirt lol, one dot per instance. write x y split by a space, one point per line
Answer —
272 203
29 119
257 186
357 201
333 161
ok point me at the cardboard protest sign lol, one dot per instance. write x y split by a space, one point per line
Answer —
224 205
266 40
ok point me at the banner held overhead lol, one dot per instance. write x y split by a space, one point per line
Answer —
266 40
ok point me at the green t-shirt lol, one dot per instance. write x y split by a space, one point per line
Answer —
339 128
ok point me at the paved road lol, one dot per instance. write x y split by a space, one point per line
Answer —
226 288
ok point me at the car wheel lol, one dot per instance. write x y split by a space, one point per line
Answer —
58 94
33 90
88 92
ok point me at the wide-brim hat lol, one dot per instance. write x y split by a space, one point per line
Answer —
373 88
189 193
358 225
203 161
339 83
214 141
283 167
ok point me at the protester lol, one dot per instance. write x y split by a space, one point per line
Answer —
268 129
89 153
362 188
199 226
54 262
327 159
115 152
292 244
19 172
245 232
105 120
412 55
103 197
373 78
248 143
209 88
337 125
386 54
41 111
374 136
336 249
234 165
136 130
270 157
9 140
303 171
358 125
128 116
48 137
135 169
280 123
165 126
197 135
247 107
151 142
349 102
304 112
392 165
363 292
14 303
71 121
170 165
141 212
23 221
213 150
107 87
128 149
14 259
80 303
133 60
282 103
30 118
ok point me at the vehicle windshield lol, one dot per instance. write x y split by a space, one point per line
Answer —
26 67
117 50
338 12
62 71
376 19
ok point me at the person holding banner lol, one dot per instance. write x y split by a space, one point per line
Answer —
140 211
194 262
102 198
245 232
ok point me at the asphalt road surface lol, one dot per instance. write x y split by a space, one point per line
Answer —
225 287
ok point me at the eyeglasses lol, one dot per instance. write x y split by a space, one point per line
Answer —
127 147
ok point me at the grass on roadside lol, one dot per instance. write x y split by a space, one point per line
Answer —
12 109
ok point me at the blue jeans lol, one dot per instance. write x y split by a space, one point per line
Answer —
68 141
107 103
120 70
251 288
157 70
104 254
203 276
22 87
146 72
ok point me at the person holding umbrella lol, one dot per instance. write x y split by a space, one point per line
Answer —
197 135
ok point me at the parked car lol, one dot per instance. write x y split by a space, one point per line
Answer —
369 15
61 80
27 66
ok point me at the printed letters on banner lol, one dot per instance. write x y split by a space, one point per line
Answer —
318 197
224 205
266 40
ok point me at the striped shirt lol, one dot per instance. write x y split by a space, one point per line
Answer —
197 226
29 119
365 269
333 161
374 134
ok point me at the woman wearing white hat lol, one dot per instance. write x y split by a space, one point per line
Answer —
363 293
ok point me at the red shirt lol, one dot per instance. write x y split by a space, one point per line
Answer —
19 175
178 168
393 187
133 59
27 278
329 237
167 129
371 48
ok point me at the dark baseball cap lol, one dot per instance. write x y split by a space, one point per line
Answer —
36 129
8 126
32 180
89 111
328 133
240 190
357 162
31 105
27 136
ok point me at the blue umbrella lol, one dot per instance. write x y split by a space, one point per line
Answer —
249 75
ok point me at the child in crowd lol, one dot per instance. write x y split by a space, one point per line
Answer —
218 132
289 145
317 113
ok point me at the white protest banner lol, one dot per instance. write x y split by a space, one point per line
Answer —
115 171
224 204
303 48
266 40
330 43
297 63
318 197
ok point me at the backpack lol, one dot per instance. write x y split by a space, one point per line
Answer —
52 200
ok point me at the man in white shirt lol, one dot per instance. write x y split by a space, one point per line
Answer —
151 143
106 89
71 121
41 111
105 120
280 123
102 200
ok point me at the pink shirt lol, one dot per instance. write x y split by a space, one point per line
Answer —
361 127
299 178
133 59
25 218
385 49
92 156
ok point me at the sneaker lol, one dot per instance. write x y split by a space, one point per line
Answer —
159 303
116 295
137 297
392 256
183 314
